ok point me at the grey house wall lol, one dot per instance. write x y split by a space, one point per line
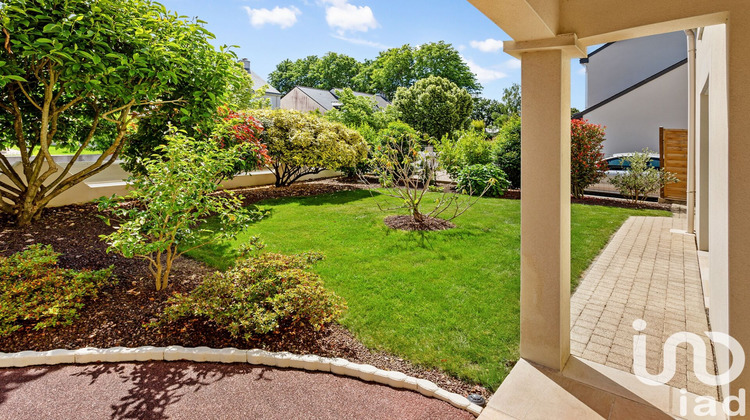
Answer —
618 66
635 86
274 99
296 99
632 121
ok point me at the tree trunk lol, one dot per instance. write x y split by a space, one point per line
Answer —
417 216
28 211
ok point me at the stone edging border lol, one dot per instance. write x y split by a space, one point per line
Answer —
337 366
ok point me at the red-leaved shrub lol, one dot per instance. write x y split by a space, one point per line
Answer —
586 158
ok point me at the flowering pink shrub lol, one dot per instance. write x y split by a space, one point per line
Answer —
586 158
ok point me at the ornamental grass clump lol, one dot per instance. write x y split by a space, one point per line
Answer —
261 294
35 292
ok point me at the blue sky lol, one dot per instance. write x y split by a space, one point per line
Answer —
269 31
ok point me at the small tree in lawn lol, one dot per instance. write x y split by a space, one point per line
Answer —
586 158
172 199
405 172
302 144
641 179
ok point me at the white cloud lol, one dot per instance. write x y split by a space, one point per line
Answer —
284 17
581 71
484 74
488 45
344 17
513 63
360 41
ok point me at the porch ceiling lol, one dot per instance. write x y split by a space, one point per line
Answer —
597 21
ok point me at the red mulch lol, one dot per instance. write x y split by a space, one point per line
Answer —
120 315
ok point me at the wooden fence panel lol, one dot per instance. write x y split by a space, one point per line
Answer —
673 151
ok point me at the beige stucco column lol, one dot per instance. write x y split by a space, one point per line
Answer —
738 171
545 199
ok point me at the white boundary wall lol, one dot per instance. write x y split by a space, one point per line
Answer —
111 181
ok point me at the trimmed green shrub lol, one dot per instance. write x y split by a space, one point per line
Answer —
508 150
34 291
471 148
260 294
475 179
301 144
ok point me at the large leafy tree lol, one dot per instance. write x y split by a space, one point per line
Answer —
74 73
393 68
511 104
302 144
208 80
486 110
328 72
435 106
282 77
403 66
336 71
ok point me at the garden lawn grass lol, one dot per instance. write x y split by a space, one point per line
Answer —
448 299
63 151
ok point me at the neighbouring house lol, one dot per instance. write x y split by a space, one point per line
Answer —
307 99
273 95
546 36
635 86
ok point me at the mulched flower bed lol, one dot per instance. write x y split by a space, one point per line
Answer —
408 223
120 315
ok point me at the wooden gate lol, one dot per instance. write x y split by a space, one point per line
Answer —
673 150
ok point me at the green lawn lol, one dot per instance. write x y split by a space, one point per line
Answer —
54 150
447 299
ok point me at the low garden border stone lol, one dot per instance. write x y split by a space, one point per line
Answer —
284 359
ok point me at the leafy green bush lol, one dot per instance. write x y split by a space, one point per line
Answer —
260 294
34 291
172 200
471 148
641 179
301 144
508 150
475 179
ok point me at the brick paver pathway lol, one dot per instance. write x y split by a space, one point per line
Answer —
648 271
